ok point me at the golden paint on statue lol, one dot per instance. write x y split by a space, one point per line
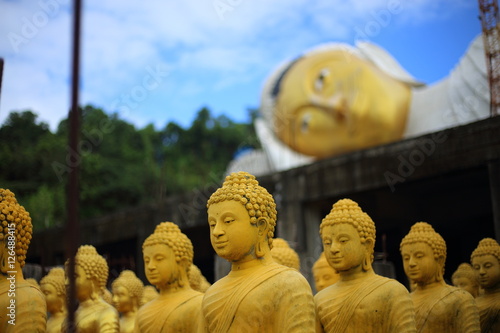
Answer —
324 274
22 305
258 295
486 262
465 278
361 301
54 289
168 254
93 313
438 307
148 294
127 293
196 279
283 254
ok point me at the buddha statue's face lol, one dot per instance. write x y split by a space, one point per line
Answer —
122 300
324 276
232 235
333 102
488 271
419 263
160 265
54 301
84 286
343 248
466 284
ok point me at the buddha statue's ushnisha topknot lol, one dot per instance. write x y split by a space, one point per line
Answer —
487 246
244 188
424 232
168 233
15 221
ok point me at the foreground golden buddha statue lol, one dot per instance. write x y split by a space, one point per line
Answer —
361 301
324 274
93 313
127 293
438 307
196 279
465 278
258 295
54 290
283 254
22 305
148 294
168 254
486 262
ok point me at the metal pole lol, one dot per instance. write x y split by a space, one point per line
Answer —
72 238
1 76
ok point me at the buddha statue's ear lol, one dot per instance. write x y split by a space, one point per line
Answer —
369 244
263 225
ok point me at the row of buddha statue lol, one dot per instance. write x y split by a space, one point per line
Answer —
264 290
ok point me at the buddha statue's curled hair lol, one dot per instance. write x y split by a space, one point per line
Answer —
131 282
15 221
348 211
56 278
425 233
465 270
244 188
284 254
169 234
94 265
487 246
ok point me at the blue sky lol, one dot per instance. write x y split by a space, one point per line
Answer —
158 61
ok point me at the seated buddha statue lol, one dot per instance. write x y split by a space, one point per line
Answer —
53 288
148 293
127 293
283 254
22 304
324 274
93 314
360 301
439 307
485 260
196 279
168 253
465 278
258 294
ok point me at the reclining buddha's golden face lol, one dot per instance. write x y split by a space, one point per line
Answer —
331 102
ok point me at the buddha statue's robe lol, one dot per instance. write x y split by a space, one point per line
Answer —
270 298
94 316
445 309
370 304
54 323
30 308
178 312
489 312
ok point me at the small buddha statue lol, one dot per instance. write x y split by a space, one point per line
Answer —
258 294
283 254
33 281
93 313
53 287
148 294
485 260
168 253
438 307
465 278
127 293
324 274
360 301
196 279
22 304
